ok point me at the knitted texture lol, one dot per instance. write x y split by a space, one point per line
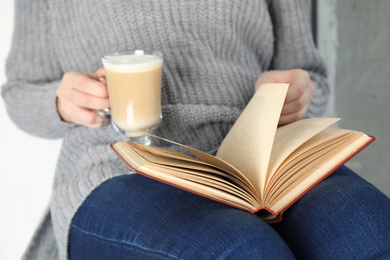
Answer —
214 51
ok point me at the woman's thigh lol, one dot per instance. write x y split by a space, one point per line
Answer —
343 217
132 216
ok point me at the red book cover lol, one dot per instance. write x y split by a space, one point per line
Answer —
258 211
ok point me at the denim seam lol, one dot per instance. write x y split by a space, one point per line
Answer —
124 244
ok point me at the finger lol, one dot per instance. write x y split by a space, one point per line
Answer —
300 84
292 117
298 104
101 76
100 121
88 118
100 72
294 92
84 100
297 89
293 106
90 86
102 80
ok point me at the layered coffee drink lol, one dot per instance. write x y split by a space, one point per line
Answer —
134 86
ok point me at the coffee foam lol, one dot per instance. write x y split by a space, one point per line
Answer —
131 63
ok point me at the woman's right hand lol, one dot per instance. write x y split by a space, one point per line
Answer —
79 95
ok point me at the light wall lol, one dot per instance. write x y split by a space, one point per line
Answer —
362 90
26 166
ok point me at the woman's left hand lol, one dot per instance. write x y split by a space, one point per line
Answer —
299 93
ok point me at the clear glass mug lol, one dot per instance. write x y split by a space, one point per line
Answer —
134 87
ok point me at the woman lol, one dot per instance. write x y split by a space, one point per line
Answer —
214 53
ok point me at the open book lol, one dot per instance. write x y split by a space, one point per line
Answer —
259 167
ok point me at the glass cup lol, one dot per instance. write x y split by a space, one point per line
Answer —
134 87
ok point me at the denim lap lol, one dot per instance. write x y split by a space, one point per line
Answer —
343 217
133 217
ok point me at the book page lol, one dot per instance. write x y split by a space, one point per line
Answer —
292 170
310 149
339 155
289 137
203 158
248 144
188 165
190 180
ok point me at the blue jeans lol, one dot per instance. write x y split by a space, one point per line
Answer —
133 217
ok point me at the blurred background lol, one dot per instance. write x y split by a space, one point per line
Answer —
27 166
354 39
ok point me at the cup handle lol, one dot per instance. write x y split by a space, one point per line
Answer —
104 113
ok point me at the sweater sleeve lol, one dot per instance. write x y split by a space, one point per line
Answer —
294 48
33 73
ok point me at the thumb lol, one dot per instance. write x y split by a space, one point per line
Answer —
100 73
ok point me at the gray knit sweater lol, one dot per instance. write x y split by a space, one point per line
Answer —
214 51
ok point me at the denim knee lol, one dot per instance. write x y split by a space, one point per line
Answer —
133 216
344 217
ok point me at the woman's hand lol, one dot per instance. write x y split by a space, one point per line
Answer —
79 95
299 93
